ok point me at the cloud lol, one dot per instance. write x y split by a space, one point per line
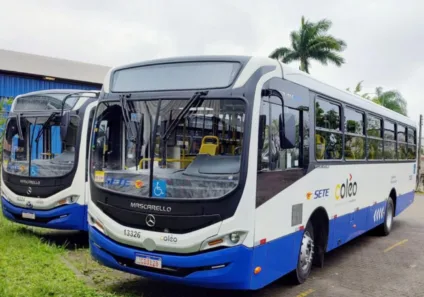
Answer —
382 35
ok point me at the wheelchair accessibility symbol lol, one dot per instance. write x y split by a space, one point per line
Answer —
34 170
159 188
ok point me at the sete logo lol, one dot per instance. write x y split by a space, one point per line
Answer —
347 189
321 193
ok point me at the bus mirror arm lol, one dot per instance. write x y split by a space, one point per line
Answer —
262 127
64 123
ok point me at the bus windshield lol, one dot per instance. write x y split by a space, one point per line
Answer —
185 149
39 152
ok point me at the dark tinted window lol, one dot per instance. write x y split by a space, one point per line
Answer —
401 133
373 126
354 121
327 115
412 151
305 115
402 151
375 149
411 135
389 150
328 145
354 147
389 130
175 76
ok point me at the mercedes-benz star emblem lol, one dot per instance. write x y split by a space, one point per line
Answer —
29 204
150 220
29 191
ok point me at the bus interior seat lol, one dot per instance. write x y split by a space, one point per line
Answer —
320 146
209 146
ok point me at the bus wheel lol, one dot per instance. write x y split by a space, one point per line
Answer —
306 255
386 227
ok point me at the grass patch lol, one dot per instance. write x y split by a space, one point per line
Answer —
31 266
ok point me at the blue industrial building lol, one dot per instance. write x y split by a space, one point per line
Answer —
21 73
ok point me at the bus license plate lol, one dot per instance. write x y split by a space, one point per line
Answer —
27 215
148 261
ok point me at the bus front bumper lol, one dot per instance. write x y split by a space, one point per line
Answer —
67 217
229 268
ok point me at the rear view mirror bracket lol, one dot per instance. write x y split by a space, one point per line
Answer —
64 123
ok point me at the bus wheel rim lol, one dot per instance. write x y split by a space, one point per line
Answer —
306 251
389 219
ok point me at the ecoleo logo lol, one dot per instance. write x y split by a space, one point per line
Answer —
347 189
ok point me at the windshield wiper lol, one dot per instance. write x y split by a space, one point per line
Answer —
18 124
46 123
30 145
126 117
196 98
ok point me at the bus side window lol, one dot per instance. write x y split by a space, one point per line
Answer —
87 151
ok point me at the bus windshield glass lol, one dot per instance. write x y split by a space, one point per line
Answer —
40 151
175 76
186 149
47 101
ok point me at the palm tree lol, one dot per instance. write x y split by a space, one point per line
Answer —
392 99
358 89
311 41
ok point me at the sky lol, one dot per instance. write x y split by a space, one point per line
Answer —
384 46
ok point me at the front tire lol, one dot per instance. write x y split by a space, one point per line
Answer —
306 256
386 227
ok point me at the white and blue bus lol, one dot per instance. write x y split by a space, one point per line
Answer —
230 172
45 156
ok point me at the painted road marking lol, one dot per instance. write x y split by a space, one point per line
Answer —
306 293
395 245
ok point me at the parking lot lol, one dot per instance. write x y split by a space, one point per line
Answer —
367 266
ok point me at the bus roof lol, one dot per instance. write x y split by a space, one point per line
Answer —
252 63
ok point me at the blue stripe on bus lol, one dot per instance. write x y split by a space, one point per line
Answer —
403 201
68 217
234 276
276 258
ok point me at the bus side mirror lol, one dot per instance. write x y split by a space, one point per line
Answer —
64 124
287 127
262 126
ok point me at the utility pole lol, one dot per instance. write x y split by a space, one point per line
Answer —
419 151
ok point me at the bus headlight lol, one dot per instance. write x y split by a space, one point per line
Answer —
96 223
234 237
68 200
231 239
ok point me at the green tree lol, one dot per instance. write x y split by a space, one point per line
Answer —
391 99
311 42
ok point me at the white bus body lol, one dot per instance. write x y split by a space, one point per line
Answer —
326 174
44 177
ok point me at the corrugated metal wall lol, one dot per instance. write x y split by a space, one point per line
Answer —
12 85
